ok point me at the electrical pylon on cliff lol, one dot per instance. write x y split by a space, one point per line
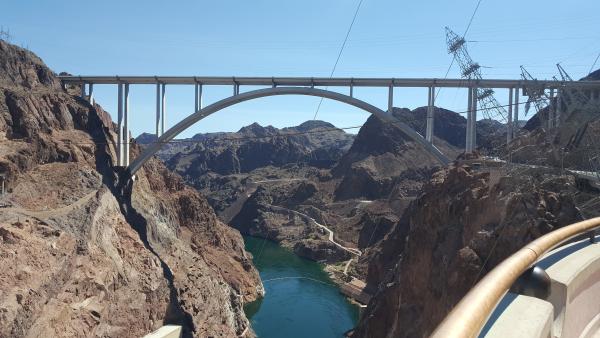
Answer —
573 99
472 71
535 95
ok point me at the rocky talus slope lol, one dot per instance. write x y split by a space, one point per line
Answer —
82 259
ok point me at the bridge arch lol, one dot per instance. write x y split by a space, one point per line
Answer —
170 134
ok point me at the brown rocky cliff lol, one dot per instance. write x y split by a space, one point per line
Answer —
382 157
83 260
463 225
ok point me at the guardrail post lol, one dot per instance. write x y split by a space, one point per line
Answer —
533 282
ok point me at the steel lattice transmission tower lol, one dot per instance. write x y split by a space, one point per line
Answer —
472 71
536 95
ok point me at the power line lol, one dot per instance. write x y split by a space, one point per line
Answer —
340 53
472 17
594 64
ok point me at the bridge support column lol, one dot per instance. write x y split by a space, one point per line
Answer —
390 99
91 93
82 91
474 121
430 115
509 123
163 110
516 117
198 97
468 132
120 148
551 110
126 126
158 109
558 108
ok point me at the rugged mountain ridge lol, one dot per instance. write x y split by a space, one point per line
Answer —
317 143
85 260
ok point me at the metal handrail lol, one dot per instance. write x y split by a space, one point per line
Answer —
469 316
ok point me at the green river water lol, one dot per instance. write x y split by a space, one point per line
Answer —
306 307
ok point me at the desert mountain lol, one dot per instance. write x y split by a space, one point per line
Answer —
81 257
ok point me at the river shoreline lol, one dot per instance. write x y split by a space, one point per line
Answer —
297 291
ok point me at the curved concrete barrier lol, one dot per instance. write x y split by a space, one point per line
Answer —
167 331
572 309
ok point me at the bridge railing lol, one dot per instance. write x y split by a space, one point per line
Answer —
469 316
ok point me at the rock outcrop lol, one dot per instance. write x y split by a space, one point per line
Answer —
82 259
463 225
316 143
382 156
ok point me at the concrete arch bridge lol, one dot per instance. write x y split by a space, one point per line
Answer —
307 87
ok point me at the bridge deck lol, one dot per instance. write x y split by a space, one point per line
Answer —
325 81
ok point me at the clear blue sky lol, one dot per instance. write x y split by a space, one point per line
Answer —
390 38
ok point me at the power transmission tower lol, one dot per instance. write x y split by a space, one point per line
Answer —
573 98
536 95
471 70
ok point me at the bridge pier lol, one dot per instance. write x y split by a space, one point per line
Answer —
430 115
558 108
471 141
468 131
198 97
82 91
120 148
551 108
509 124
163 109
91 93
126 126
390 99
89 96
516 111
158 109
474 121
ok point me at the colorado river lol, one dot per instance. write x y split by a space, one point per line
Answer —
300 300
